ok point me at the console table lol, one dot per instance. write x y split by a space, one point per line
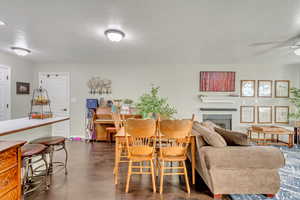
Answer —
270 135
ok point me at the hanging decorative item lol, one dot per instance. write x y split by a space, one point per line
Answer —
97 85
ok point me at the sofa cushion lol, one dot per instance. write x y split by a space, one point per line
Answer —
210 136
256 157
233 138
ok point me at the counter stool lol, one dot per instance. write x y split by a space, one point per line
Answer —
54 144
35 167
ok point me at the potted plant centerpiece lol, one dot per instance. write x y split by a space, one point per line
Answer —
295 100
126 107
151 104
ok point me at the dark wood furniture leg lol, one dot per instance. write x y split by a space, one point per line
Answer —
290 141
296 135
270 195
217 196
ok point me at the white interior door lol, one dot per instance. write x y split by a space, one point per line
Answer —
4 93
58 87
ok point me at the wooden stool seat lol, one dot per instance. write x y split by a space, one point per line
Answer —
52 140
29 150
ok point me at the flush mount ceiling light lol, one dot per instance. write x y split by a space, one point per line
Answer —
297 51
21 51
114 35
2 23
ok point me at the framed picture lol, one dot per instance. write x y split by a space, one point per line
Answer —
282 114
247 114
247 88
23 88
282 89
217 81
264 114
264 88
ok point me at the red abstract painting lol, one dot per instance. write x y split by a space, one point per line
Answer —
217 81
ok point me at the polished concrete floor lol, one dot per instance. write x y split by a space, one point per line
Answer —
90 177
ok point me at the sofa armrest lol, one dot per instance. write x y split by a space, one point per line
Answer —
242 157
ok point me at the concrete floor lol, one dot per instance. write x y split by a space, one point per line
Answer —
90 177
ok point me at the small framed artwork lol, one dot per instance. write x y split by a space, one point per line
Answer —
282 114
264 114
264 88
247 88
247 114
282 89
23 88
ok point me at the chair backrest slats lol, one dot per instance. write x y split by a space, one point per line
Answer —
174 136
140 136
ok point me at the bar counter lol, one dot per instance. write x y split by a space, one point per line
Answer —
27 129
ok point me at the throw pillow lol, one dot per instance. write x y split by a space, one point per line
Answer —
210 125
233 138
212 138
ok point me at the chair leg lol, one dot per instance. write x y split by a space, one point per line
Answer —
116 171
26 171
128 176
153 176
46 171
66 159
51 151
186 178
162 177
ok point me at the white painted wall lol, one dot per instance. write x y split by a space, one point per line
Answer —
21 71
180 83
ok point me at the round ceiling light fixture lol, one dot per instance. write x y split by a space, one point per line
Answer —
21 51
114 35
2 23
297 51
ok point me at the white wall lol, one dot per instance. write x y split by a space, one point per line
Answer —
180 83
21 71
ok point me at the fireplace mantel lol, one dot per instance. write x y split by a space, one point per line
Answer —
219 109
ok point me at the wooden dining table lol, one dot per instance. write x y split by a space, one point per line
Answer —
120 138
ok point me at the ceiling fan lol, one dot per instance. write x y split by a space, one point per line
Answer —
292 43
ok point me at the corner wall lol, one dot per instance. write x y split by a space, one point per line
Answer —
21 71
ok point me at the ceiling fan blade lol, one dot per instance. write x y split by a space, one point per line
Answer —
265 51
265 43
287 43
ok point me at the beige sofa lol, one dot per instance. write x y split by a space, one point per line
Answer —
236 169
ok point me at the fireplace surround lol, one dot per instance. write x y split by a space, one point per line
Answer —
223 120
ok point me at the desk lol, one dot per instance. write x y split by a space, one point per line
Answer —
120 138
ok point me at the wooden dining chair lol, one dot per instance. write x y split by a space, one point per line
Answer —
118 124
121 151
174 139
140 141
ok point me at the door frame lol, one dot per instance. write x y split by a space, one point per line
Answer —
67 74
9 89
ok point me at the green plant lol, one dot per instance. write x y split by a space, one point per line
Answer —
295 99
128 101
152 103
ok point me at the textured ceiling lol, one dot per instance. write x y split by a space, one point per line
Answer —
157 31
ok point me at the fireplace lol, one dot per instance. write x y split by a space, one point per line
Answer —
225 121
